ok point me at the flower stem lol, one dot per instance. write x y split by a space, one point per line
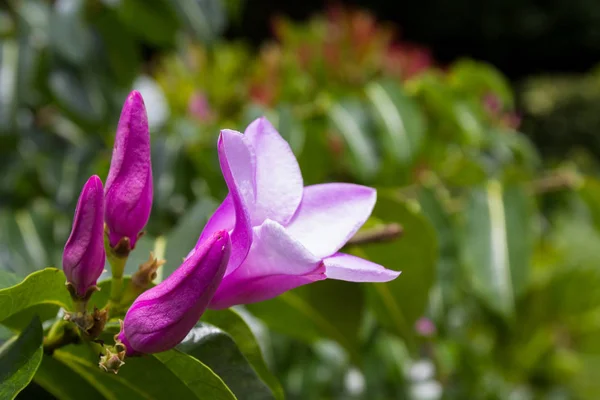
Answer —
61 334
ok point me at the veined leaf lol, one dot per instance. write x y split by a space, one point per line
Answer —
42 287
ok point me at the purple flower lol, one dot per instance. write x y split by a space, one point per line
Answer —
283 235
84 257
161 317
128 192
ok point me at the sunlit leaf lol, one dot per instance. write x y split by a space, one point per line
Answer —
496 248
400 121
42 287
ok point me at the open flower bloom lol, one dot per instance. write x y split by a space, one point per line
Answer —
84 256
161 317
128 191
283 234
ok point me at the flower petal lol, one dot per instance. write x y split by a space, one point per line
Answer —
258 289
278 177
275 264
330 214
222 219
237 161
345 267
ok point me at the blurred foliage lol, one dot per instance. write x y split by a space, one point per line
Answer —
497 298
560 115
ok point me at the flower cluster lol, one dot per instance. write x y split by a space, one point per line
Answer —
270 234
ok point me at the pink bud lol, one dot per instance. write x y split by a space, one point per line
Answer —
161 317
128 192
425 327
84 257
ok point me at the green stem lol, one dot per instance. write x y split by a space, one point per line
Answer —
61 334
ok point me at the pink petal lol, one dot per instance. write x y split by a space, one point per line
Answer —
254 290
278 177
345 267
330 214
222 219
275 252
275 264
237 161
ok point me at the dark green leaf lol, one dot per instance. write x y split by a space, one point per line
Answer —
63 382
42 287
171 374
153 20
182 239
219 352
325 309
79 94
399 303
235 326
19 359
121 48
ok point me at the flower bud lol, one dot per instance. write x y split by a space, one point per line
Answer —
161 317
84 257
128 192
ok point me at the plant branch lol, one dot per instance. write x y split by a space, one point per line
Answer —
378 234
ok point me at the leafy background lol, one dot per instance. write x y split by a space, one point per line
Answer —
493 181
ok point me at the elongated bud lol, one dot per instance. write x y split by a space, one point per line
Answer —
84 257
161 317
128 192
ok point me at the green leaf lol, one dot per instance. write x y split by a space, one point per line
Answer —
231 322
42 287
69 35
171 374
590 194
19 359
182 239
8 279
479 79
325 309
350 120
153 20
121 48
496 247
434 206
219 352
205 18
63 382
399 119
79 94
399 303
